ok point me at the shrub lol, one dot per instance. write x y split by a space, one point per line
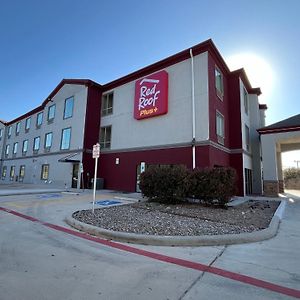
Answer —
291 173
164 183
213 186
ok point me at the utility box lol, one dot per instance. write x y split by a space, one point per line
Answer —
99 183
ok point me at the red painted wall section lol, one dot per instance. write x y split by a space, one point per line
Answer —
235 130
91 130
215 103
123 175
236 162
218 158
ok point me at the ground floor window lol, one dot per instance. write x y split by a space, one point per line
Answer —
4 171
12 172
45 172
22 173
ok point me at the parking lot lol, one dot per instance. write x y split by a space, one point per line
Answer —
43 258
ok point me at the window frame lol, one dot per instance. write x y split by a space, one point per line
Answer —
247 137
4 172
219 90
62 138
39 144
65 105
7 150
18 128
27 124
9 131
105 144
12 173
220 137
37 124
15 148
22 167
43 172
246 101
45 141
48 114
105 109
23 152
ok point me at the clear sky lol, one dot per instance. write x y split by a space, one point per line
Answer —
42 42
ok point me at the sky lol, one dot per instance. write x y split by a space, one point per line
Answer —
42 42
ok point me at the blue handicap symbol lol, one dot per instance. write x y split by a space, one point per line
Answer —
107 202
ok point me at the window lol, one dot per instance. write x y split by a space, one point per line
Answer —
36 143
45 172
18 127
6 150
246 104
15 148
48 140
22 173
1 133
27 124
107 104
51 112
68 111
105 137
220 128
9 131
247 137
4 171
65 139
39 119
12 172
25 146
219 83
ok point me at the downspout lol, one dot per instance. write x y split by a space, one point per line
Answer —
193 112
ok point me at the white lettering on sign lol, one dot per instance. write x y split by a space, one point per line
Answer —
148 96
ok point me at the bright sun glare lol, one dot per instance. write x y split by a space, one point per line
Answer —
258 70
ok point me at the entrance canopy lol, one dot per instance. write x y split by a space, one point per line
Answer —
279 137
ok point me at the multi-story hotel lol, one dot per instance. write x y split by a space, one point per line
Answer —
187 109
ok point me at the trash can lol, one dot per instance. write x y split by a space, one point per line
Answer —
99 183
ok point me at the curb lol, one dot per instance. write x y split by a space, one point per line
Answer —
205 240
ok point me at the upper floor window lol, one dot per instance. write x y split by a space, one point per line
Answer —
68 111
48 140
18 127
6 150
65 139
25 146
4 171
9 131
39 119
15 148
246 101
51 112
220 128
36 143
247 137
219 82
107 104
27 124
1 133
105 137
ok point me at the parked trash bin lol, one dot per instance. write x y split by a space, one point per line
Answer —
99 183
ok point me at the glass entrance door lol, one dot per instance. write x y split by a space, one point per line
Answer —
75 176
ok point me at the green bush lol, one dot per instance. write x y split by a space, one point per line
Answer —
213 186
164 183
172 184
291 173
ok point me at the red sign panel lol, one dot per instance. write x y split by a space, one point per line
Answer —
151 96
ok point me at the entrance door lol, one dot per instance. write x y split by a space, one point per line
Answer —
75 176
139 169
248 181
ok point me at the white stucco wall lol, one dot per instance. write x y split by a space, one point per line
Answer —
174 127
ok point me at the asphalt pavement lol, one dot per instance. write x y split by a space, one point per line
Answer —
41 257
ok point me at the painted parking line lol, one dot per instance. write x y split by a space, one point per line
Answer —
168 259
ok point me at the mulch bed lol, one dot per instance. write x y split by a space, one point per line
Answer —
187 219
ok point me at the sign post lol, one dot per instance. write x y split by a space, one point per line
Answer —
96 154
